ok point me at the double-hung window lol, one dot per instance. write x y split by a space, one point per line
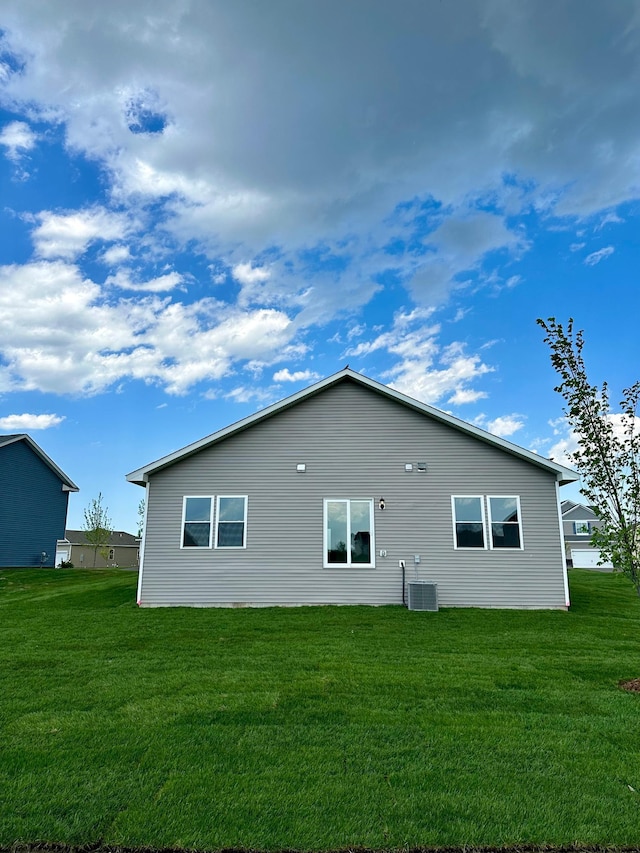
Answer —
468 521
348 532
504 524
504 521
197 522
231 521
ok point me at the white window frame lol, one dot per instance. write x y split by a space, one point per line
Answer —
372 547
245 498
490 528
577 532
455 522
185 498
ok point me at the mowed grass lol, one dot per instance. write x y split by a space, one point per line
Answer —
314 728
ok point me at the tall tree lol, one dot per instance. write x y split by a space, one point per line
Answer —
97 528
608 453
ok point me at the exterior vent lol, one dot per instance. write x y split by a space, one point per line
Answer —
423 595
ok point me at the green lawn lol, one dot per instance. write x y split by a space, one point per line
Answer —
314 728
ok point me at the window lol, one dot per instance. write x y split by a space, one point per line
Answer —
196 522
231 521
468 521
582 528
348 533
504 521
112 553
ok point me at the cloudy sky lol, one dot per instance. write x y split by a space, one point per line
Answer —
209 204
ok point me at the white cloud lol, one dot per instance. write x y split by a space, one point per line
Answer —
600 255
17 137
161 284
289 146
505 425
116 255
254 289
356 331
462 396
404 319
610 218
242 394
263 152
27 422
247 274
567 439
62 335
297 376
394 338
67 235
426 370
616 419
419 377
561 451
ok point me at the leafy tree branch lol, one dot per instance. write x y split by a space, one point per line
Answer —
607 458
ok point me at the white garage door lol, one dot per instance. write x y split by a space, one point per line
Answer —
61 554
584 559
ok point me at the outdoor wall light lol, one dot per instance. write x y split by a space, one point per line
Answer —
381 503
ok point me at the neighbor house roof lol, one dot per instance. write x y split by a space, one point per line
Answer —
67 484
563 475
569 506
117 539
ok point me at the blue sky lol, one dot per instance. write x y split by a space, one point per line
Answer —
208 205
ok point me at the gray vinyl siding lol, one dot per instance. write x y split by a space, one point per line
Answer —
84 557
355 443
33 507
580 513
572 540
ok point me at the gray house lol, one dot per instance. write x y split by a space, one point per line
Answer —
121 550
34 495
578 523
341 493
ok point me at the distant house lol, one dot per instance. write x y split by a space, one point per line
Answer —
34 495
320 498
122 550
578 523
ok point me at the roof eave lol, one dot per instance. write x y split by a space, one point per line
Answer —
140 476
67 483
565 481
563 475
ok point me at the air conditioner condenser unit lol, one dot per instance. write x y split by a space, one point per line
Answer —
422 595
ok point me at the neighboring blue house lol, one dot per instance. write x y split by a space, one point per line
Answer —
34 494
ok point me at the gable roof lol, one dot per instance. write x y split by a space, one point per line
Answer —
67 484
118 538
563 475
583 510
